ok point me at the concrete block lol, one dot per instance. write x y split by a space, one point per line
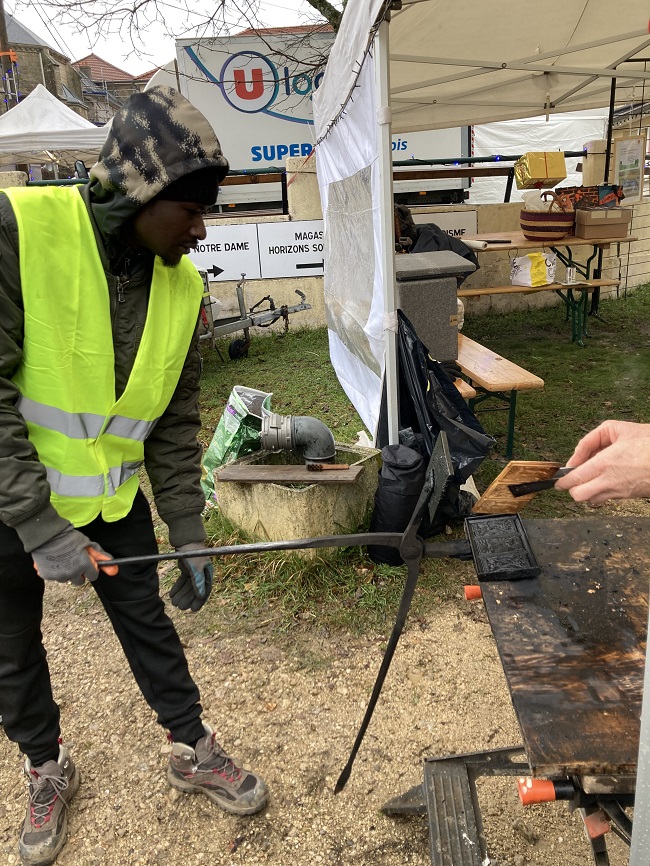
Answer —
278 512
432 308
426 293
12 178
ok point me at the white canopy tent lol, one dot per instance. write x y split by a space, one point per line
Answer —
492 63
566 131
533 59
440 65
41 126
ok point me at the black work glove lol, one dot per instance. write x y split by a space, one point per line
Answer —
65 557
193 587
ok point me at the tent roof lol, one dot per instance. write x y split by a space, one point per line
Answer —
42 122
494 61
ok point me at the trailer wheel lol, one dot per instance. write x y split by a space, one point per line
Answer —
238 349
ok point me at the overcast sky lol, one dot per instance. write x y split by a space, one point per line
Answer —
158 46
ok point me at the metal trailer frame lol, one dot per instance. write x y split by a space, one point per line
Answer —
246 319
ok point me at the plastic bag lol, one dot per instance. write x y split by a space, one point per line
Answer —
534 269
428 403
238 433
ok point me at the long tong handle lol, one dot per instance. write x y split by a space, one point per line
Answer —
527 487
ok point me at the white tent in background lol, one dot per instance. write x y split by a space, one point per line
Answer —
439 64
567 131
41 126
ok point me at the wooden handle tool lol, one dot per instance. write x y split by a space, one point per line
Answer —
320 467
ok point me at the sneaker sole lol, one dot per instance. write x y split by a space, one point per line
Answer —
31 859
226 805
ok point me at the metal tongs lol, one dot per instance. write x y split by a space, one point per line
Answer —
528 487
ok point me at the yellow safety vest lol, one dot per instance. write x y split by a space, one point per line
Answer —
91 444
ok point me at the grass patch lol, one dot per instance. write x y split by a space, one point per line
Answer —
609 378
339 589
293 366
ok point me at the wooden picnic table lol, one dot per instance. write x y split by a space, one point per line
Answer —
574 296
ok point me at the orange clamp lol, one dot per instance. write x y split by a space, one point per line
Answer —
535 791
597 824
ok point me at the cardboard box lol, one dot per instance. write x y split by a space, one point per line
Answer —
540 170
603 222
602 195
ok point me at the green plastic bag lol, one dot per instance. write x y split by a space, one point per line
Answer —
238 433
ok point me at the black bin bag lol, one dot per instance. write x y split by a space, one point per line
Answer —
428 403
400 481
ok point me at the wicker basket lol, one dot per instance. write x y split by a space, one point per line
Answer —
551 225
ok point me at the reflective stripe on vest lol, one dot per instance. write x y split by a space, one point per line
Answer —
91 444
91 485
83 425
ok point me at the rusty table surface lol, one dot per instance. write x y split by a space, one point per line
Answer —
572 645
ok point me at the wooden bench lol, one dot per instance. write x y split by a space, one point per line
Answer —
466 390
586 285
575 298
493 376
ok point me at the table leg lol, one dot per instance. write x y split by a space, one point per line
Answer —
577 308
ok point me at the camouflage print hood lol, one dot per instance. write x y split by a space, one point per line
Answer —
155 138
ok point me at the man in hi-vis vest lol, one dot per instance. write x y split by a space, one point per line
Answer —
99 376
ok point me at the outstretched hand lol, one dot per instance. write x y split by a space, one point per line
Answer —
611 462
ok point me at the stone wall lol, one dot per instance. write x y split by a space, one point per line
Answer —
41 65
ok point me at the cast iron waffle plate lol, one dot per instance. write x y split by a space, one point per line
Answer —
500 547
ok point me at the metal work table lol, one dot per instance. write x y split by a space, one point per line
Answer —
572 645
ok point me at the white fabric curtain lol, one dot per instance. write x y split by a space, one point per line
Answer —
348 180
570 131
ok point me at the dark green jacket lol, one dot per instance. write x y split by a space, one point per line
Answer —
172 450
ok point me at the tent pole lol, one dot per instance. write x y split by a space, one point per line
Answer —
610 128
595 297
386 225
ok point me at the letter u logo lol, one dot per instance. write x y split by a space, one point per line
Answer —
246 90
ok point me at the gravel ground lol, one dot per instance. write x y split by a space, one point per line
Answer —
288 706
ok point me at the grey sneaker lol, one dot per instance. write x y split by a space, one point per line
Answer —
208 770
51 788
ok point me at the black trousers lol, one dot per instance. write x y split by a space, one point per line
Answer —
131 598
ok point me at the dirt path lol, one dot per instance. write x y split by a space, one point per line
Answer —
290 709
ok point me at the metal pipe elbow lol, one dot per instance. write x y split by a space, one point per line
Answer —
301 433
313 438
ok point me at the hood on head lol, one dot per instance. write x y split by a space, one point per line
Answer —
156 138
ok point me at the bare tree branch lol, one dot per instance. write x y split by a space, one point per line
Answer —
131 20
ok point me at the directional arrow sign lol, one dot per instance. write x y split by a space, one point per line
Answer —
291 249
234 247
303 266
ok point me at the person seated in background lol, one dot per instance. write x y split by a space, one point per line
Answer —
427 238
610 462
